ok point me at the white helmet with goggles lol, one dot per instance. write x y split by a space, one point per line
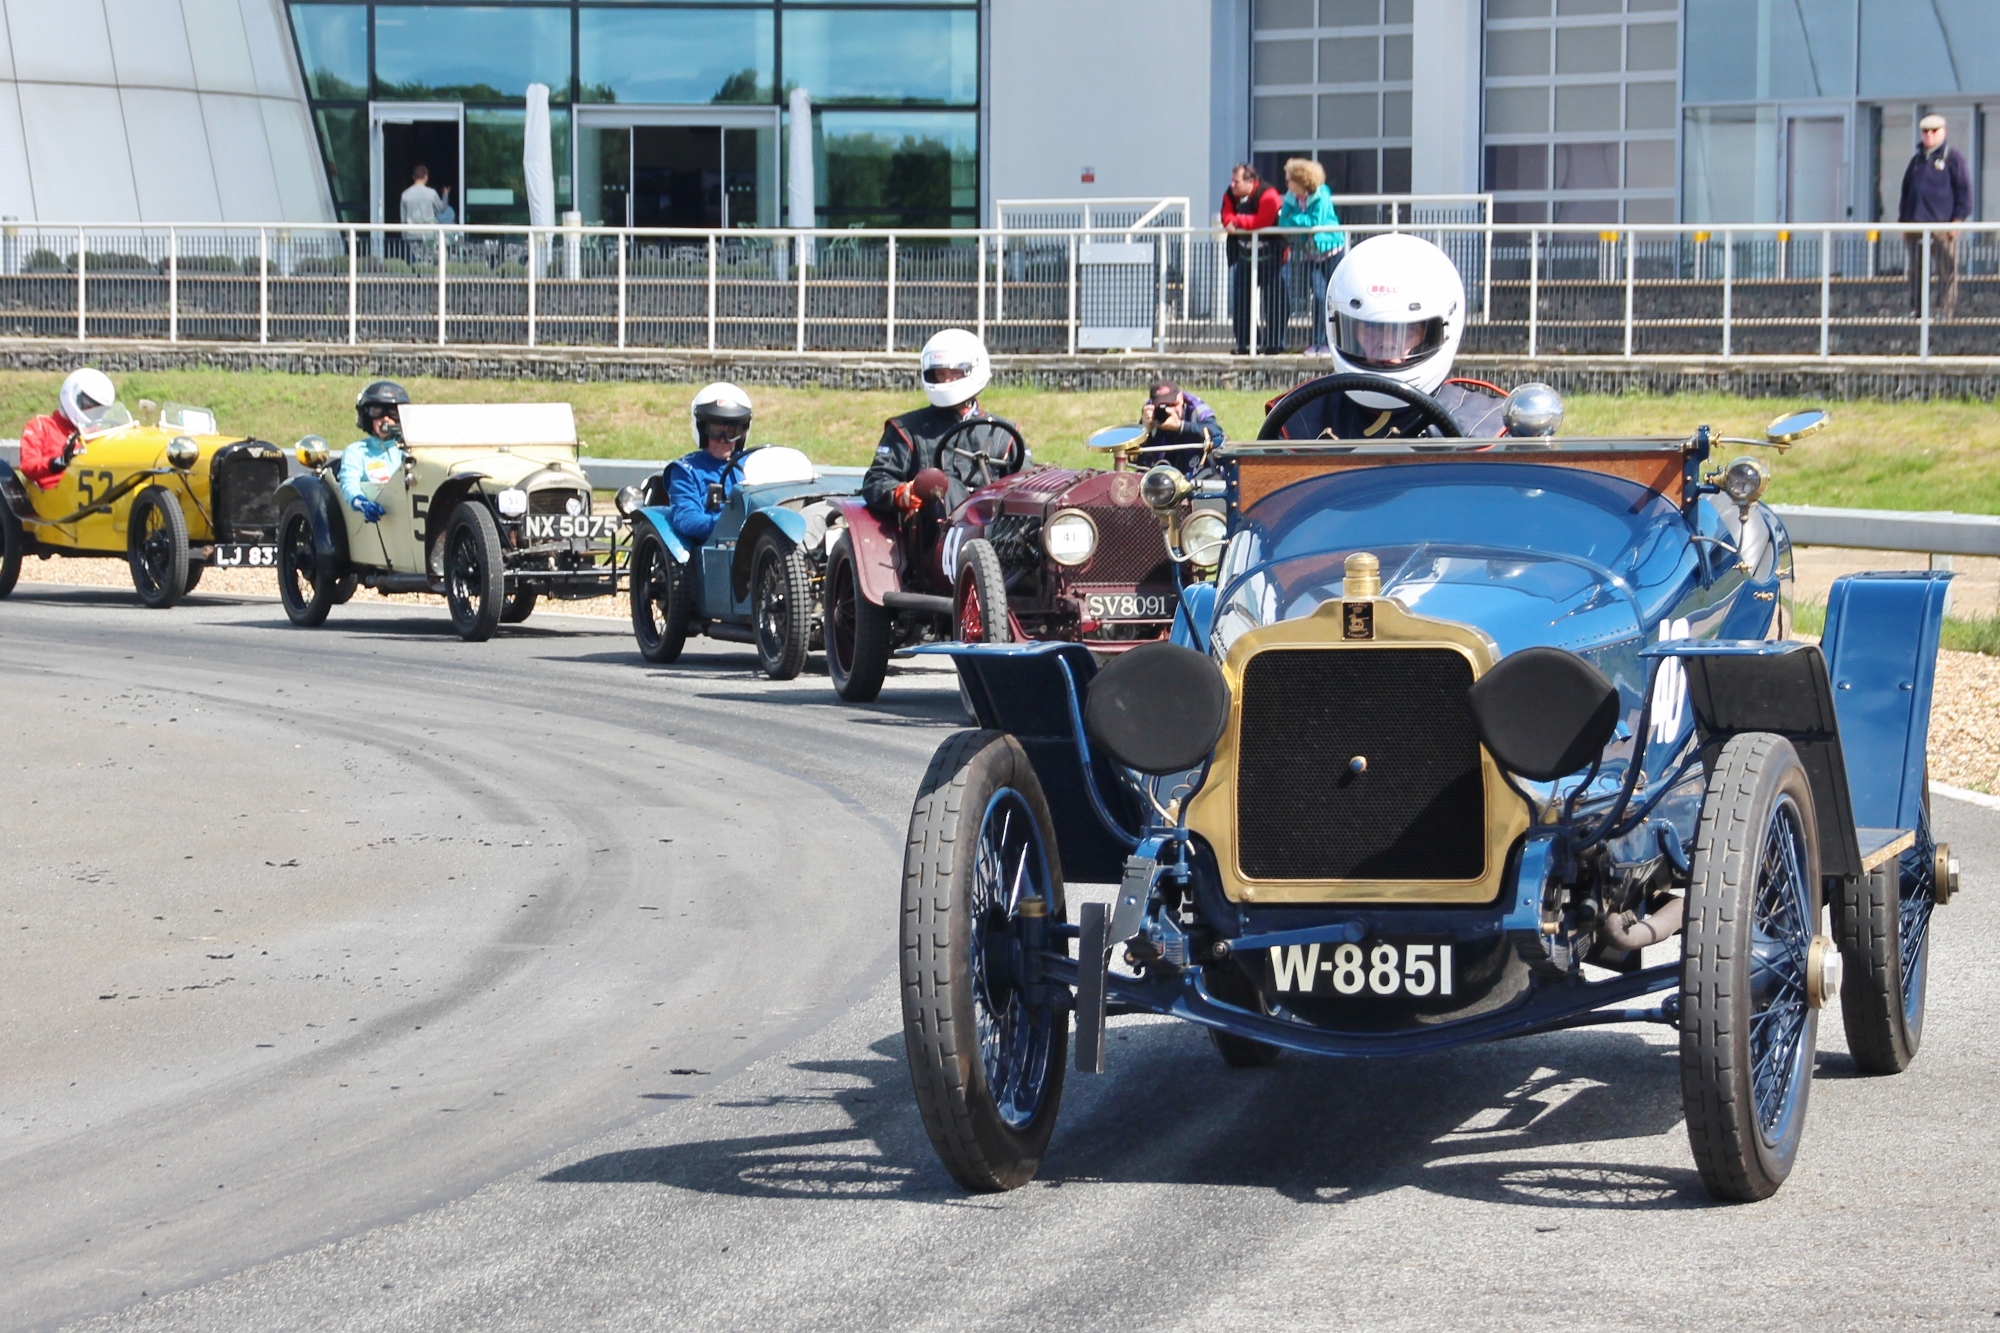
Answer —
955 368
722 405
90 403
1398 310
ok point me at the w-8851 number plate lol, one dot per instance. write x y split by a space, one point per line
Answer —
1381 968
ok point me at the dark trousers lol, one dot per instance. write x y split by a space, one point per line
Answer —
1309 278
1272 306
1944 268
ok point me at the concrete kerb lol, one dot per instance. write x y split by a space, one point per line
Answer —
1806 379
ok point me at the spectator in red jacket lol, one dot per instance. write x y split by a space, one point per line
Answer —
48 443
1248 207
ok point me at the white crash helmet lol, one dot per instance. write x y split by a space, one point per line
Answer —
954 350
89 401
720 402
1397 307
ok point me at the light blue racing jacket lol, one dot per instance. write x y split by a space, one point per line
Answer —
366 466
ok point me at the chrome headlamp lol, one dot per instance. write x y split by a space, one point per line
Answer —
628 500
311 451
182 452
1533 411
1070 537
1163 487
512 502
1745 479
1203 535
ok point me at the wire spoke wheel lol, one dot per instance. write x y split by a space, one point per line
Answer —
660 609
781 606
475 577
1883 923
986 1033
307 590
1781 936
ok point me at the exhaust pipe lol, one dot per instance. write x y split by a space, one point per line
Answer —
1628 930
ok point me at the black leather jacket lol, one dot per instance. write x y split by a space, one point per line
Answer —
1339 417
910 444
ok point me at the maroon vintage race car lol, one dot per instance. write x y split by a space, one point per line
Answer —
1043 553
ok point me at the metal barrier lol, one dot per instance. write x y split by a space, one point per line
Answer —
1534 291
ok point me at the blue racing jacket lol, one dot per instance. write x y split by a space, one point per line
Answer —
688 480
366 466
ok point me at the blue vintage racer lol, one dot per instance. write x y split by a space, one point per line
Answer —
756 579
1460 730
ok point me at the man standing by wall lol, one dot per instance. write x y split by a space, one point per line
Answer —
1937 187
1248 207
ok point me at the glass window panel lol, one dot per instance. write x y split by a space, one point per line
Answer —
1520 210
1350 14
1649 106
1517 166
1283 118
1394 12
1917 48
1587 107
1649 6
1517 111
1284 14
1590 6
1395 167
1347 116
880 168
470 55
1649 164
750 177
1895 144
496 183
1989 167
1349 170
889 56
1284 62
1516 52
1649 210
343 141
1349 60
1729 164
1586 210
1589 50
1396 58
1653 46
1586 166
333 49
1517 9
1800 48
676 55
1395 115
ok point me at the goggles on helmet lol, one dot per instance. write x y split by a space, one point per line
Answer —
1386 346
735 432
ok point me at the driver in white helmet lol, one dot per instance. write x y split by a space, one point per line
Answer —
699 485
954 370
1397 307
86 407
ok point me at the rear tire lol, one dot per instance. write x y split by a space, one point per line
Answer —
158 547
13 544
1883 927
520 604
306 589
661 608
780 606
982 595
986 1050
194 576
475 576
859 633
1747 1024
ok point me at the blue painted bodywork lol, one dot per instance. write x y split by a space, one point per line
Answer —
1675 597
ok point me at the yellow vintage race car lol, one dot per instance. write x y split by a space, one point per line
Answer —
170 498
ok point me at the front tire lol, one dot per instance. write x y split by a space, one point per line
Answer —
475 577
158 546
13 544
859 634
780 606
1748 1025
661 606
304 586
982 595
986 1045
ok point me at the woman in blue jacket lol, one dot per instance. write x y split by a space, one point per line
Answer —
1307 203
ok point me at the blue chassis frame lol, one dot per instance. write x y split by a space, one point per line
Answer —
1880 642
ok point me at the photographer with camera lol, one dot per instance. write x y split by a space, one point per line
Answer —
1173 416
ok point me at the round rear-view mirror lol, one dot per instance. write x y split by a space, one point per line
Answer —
1115 437
1795 426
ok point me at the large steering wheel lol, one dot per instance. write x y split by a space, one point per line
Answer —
1435 413
975 467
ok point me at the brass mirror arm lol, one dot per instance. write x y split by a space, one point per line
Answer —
1779 445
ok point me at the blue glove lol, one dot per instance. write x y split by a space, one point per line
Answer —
369 510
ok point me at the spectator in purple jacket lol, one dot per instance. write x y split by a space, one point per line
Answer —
1937 187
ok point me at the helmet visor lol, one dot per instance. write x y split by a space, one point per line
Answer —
100 418
945 374
1386 346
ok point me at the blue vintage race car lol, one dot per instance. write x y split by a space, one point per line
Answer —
1460 730
756 579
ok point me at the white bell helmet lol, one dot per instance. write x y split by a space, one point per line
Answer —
1397 306
720 402
954 367
87 399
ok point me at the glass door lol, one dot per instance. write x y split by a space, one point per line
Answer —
404 136
696 167
1815 169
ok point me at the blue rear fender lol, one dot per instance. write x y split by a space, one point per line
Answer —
655 518
1881 645
1195 616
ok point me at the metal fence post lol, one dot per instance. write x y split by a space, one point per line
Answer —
1071 319
979 293
999 276
799 255
1486 280
173 286
1631 246
353 285
263 286
622 238
1923 300
1255 304
1728 284
711 290
1534 292
81 334
1825 290
1159 293
442 267
534 264
890 296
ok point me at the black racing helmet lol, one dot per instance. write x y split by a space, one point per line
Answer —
376 401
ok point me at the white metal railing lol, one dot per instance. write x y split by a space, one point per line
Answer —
1532 290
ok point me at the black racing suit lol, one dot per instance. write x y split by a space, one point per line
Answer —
910 444
1338 417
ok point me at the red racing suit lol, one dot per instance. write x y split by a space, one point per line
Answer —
43 441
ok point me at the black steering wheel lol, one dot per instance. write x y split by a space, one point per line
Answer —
961 463
1435 413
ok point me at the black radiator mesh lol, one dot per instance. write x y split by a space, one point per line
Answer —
1419 809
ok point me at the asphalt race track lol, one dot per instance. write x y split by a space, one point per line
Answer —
363 978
